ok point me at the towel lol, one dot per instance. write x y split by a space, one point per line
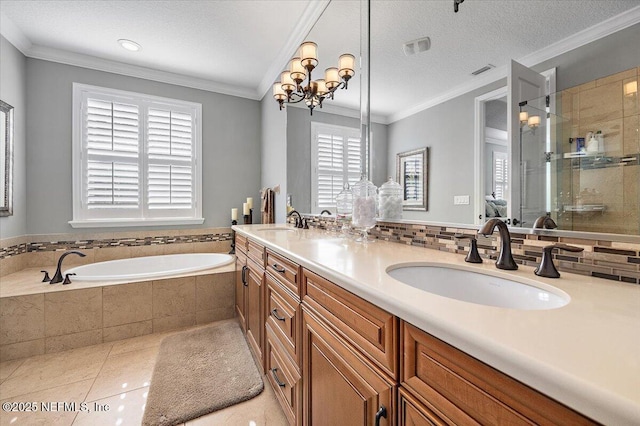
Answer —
267 206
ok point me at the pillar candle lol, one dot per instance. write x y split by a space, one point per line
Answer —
234 214
245 209
250 202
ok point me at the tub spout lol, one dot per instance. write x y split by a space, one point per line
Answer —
57 278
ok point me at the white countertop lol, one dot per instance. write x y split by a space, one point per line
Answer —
585 354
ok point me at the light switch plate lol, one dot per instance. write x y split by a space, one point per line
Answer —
460 199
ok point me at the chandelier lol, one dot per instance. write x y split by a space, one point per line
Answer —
290 88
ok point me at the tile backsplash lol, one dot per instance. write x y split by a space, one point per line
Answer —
616 261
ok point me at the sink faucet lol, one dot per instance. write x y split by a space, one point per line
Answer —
505 259
545 222
325 211
57 278
300 223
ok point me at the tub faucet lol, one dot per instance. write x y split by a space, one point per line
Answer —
505 259
545 222
57 278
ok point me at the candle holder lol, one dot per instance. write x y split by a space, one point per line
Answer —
248 218
233 238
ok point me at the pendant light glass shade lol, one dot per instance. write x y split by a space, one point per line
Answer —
331 77
288 85
278 93
346 64
309 54
298 73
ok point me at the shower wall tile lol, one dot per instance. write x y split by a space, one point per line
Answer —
126 331
126 303
631 143
613 78
72 311
630 103
602 103
21 318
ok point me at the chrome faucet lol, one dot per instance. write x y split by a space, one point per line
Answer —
57 278
505 259
300 222
545 222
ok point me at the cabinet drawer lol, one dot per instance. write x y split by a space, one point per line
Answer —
283 314
283 269
451 380
412 412
241 243
372 330
284 379
255 251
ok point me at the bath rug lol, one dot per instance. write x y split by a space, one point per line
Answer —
201 371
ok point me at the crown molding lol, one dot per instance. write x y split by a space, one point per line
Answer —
99 64
588 35
310 16
12 33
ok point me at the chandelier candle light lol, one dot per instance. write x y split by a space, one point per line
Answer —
290 88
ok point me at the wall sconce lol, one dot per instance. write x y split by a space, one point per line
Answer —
631 88
533 121
524 117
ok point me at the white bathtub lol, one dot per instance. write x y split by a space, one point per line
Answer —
149 267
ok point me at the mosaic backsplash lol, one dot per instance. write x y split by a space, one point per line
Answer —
110 242
602 259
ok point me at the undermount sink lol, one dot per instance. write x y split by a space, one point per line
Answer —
480 288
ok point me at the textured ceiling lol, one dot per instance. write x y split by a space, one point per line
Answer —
240 43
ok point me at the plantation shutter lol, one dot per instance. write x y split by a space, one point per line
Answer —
412 179
500 174
170 179
336 158
112 145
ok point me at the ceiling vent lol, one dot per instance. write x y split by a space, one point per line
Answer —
416 46
483 69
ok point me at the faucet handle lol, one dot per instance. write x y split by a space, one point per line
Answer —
46 278
67 280
473 256
546 268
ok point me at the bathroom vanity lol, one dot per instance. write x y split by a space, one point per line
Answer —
342 342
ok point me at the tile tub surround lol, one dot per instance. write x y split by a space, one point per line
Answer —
615 261
55 318
43 250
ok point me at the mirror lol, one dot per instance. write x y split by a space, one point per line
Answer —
6 159
412 174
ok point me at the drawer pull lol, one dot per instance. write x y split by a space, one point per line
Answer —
278 269
244 275
275 377
382 412
274 312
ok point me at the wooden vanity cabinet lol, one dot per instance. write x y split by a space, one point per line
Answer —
284 377
463 390
241 285
340 385
254 312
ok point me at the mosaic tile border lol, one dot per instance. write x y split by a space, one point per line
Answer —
111 242
601 259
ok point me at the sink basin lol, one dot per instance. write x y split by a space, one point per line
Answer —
475 287
276 229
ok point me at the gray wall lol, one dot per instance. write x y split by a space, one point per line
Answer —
299 151
273 157
230 144
448 128
13 90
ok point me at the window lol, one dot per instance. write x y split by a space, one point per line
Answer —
500 174
336 158
136 159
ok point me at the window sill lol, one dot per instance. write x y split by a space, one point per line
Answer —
113 223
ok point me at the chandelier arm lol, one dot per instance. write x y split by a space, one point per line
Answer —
300 98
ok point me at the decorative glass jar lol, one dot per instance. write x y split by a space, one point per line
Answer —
364 206
344 208
390 200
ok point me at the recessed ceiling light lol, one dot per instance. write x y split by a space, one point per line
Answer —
129 45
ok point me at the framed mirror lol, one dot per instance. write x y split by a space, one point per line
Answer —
6 159
411 172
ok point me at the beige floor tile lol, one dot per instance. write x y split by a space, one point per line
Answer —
121 373
8 367
73 393
263 410
51 370
124 409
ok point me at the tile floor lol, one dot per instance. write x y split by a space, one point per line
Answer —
116 375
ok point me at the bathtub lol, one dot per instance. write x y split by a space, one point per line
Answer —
139 268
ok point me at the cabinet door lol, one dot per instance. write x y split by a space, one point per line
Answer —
254 313
340 387
241 285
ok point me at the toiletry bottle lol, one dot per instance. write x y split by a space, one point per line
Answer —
600 137
592 143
